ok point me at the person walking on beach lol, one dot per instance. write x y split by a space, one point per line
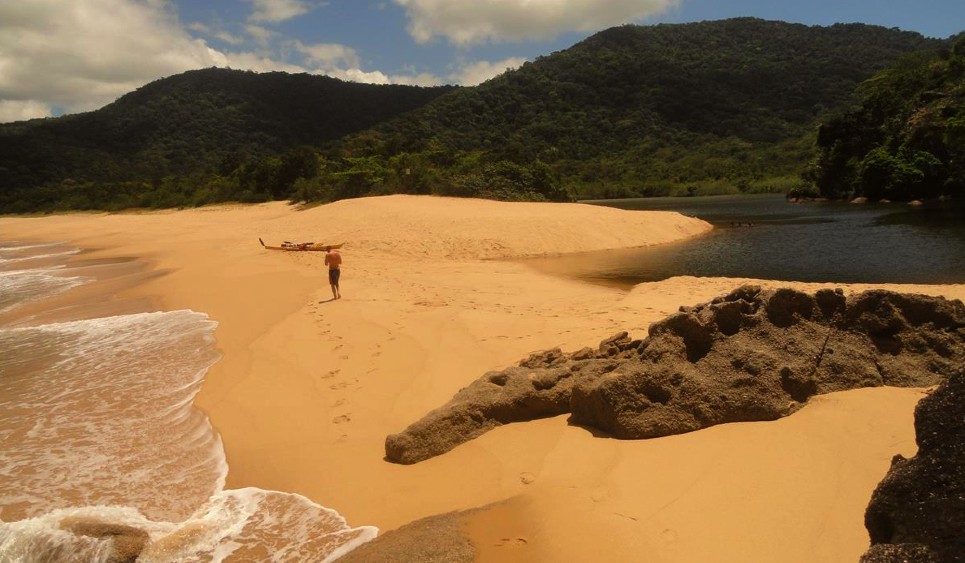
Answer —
334 262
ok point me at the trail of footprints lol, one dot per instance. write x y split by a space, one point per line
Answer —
333 382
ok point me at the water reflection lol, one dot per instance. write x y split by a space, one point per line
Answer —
766 237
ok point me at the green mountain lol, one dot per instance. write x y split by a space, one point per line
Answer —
905 139
197 122
651 110
633 110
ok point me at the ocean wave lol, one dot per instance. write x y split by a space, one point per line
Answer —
18 287
233 525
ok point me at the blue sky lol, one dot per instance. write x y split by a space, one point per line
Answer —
67 56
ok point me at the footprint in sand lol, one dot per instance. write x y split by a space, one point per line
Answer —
342 418
330 374
339 385
512 542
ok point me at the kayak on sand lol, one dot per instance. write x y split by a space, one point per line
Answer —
301 246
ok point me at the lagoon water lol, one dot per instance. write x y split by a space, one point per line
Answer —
97 425
766 237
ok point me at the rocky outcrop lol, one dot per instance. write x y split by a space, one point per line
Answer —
917 513
749 355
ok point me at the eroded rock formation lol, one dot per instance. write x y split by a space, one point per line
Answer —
917 513
749 355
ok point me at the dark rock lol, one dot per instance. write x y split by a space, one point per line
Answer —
748 355
917 513
899 553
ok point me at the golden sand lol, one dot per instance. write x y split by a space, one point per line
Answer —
308 387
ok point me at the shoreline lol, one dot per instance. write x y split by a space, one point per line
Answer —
307 390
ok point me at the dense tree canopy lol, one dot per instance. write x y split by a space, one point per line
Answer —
187 129
905 139
708 107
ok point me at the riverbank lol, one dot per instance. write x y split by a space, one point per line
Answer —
308 388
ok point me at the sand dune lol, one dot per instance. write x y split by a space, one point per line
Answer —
309 388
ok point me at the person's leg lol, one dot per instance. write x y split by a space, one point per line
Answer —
338 291
333 281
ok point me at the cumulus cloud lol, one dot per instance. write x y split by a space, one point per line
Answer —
379 77
261 35
17 110
67 57
78 56
327 55
343 62
469 74
481 71
258 62
466 23
274 11
225 36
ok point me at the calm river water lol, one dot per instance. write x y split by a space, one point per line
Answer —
766 237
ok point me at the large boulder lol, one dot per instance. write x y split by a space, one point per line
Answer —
917 513
748 355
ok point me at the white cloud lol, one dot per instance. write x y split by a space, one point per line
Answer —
421 79
465 23
19 110
379 77
203 29
79 56
481 71
274 11
469 74
342 62
327 55
258 63
261 35
58 56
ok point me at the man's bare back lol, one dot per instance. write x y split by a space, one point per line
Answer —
333 259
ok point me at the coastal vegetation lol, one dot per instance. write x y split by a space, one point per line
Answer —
905 137
672 109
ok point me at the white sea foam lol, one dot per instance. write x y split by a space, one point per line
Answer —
97 423
101 412
238 525
234 525
14 246
23 286
32 257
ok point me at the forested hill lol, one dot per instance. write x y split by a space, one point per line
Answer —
640 110
906 138
633 110
196 122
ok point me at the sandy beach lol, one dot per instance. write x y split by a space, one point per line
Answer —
433 297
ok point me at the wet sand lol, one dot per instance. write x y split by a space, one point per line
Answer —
308 387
